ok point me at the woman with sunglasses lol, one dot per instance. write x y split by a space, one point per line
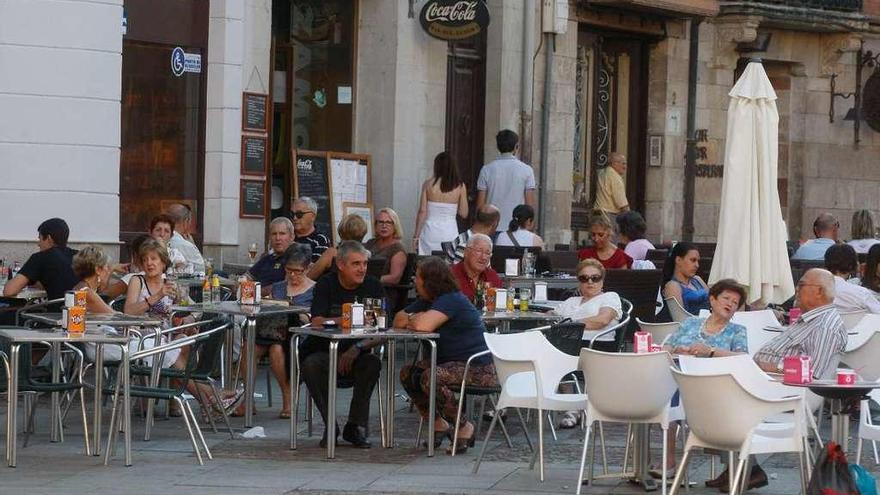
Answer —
715 336
595 309
386 244
603 249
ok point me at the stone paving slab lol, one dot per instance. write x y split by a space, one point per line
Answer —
166 464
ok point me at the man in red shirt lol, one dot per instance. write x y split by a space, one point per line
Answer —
474 268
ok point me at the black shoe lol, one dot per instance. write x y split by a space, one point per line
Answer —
757 479
323 442
721 480
356 436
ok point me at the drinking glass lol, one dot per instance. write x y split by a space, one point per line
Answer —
252 251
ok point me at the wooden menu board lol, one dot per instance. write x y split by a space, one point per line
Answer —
253 155
252 198
310 178
254 112
331 179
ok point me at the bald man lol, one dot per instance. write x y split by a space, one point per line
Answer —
611 187
826 228
485 222
181 238
818 333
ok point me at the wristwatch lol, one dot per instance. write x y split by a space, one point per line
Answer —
359 345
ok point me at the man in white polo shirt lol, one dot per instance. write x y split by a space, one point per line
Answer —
506 182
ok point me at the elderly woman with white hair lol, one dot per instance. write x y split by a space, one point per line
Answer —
304 214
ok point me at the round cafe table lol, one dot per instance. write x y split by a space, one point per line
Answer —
838 395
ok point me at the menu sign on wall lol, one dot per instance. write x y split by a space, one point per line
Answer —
451 20
254 112
311 178
252 198
253 155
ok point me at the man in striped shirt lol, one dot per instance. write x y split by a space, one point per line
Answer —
818 333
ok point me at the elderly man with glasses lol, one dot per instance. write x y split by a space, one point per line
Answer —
304 213
474 268
818 333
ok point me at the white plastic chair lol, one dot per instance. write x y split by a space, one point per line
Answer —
676 311
529 369
755 321
756 381
659 331
852 318
626 388
724 415
867 429
859 334
865 358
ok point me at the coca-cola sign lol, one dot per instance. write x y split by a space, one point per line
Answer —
454 19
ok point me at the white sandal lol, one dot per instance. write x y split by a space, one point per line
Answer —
569 420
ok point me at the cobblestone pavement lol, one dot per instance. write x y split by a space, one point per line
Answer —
166 464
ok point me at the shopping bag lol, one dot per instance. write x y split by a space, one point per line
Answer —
865 483
831 475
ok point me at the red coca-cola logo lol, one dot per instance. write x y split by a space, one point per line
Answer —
451 20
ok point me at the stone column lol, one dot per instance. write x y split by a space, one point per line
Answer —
223 130
60 94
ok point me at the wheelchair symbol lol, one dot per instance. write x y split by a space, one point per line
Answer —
177 61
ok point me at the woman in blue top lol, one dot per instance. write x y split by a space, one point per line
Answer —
442 308
715 336
681 280
272 335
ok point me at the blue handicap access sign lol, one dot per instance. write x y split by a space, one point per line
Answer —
177 61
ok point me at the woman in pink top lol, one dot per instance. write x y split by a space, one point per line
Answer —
632 229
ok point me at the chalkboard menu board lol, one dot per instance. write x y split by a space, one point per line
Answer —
311 178
253 155
254 108
252 198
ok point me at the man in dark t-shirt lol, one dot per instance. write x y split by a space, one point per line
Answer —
304 214
355 363
51 266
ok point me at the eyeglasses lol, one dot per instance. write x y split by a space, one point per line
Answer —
802 284
384 222
300 214
594 279
295 271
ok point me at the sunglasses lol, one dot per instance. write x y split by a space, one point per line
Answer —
300 214
384 222
590 278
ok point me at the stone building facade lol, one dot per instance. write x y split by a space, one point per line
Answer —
618 80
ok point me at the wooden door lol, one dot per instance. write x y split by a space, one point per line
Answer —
611 115
466 111
163 113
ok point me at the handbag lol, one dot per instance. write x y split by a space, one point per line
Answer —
865 483
831 475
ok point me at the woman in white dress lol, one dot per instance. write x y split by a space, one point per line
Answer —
443 196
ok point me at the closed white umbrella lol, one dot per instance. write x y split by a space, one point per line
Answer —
751 233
